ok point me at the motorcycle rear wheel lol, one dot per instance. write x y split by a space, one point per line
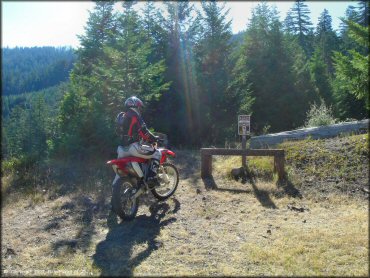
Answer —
168 176
122 205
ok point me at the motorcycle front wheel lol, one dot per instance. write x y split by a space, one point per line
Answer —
122 205
168 176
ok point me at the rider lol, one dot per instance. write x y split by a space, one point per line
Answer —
133 130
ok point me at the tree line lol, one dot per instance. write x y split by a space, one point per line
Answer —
28 69
196 77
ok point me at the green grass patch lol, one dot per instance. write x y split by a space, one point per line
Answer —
329 159
261 167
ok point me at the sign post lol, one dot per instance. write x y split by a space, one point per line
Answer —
244 129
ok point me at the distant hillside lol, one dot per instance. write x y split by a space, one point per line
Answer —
34 68
51 95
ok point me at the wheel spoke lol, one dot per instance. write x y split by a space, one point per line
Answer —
128 205
168 180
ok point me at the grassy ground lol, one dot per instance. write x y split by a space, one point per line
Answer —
210 227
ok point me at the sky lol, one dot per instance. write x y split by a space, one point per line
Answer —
57 23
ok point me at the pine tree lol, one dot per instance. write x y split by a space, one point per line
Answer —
26 130
352 70
271 75
212 54
88 132
100 30
38 126
181 32
320 76
304 85
364 13
154 31
358 14
239 85
298 23
72 124
121 68
326 40
137 73
15 131
288 24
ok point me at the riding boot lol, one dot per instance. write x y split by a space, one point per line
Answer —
152 178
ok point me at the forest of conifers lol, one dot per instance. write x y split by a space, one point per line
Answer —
193 74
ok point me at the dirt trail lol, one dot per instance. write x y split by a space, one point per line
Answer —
212 227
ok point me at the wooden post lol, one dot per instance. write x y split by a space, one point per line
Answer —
244 158
206 165
279 162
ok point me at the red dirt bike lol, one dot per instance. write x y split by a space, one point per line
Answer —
126 190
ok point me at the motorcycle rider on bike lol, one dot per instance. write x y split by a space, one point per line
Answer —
134 131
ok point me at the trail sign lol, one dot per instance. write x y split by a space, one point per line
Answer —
244 129
244 124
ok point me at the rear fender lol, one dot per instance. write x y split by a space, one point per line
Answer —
122 163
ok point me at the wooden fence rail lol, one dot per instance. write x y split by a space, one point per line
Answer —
206 158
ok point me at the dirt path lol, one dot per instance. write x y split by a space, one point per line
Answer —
213 227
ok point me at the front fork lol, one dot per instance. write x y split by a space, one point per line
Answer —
137 193
144 188
162 175
115 179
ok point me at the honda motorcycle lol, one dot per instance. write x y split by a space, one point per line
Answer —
128 186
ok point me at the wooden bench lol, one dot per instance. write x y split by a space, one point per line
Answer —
206 158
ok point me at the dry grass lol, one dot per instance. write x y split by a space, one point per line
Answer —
228 228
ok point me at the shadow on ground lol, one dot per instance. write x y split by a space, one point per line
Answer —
83 209
289 189
188 163
263 196
115 256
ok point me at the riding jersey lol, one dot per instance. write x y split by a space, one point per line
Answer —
133 127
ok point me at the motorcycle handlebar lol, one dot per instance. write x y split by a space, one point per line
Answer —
156 141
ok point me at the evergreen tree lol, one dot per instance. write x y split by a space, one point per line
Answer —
288 24
87 92
326 40
100 30
181 33
358 14
128 68
212 52
31 69
270 68
38 127
121 68
320 76
26 131
303 81
298 23
72 122
364 13
14 133
154 31
239 85
352 70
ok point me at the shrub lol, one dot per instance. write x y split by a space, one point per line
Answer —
320 116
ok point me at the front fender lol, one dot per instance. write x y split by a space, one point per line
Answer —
165 153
